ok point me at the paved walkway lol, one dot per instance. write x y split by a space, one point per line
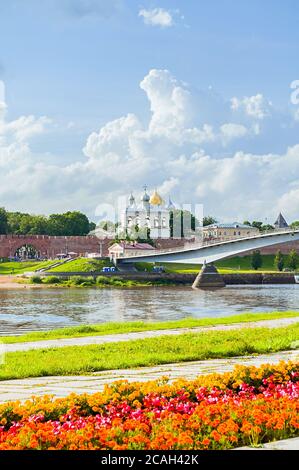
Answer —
87 340
61 386
285 444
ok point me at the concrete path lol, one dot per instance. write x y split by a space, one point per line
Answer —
285 444
87 340
62 386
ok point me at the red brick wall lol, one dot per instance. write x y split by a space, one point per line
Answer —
165 243
285 248
50 246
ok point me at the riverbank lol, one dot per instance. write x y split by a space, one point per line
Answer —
139 279
116 330
122 337
13 282
146 278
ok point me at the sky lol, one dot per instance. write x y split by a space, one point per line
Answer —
193 97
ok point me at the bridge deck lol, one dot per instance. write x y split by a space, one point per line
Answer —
199 253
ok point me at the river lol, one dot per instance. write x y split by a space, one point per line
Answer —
25 310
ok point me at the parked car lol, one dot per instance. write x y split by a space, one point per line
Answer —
158 269
108 269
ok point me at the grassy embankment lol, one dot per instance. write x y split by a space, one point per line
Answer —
82 265
236 264
14 267
129 327
148 352
77 265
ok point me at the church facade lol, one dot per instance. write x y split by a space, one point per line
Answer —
147 217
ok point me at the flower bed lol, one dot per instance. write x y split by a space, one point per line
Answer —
219 411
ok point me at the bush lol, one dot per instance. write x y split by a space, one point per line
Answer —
103 280
52 280
145 267
292 260
81 281
110 281
36 280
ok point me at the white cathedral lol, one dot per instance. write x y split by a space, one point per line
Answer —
151 213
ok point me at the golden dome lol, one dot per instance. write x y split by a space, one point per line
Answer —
156 199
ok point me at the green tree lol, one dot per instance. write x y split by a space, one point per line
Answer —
257 224
279 261
292 260
14 221
208 220
57 225
77 223
266 227
33 225
68 224
295 225
246 222
92 226
3 221
256 260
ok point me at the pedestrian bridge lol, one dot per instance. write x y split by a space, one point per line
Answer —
208 252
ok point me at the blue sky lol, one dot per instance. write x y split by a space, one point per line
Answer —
80 63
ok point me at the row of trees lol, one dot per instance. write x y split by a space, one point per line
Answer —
290 261
264 227
259 225
68 224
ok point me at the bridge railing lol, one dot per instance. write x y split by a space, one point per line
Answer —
205 243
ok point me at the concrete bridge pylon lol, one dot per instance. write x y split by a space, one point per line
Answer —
208 277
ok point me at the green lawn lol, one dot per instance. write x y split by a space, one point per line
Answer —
15 267
180 268
128 327
240 264
82 265
243 264
147 352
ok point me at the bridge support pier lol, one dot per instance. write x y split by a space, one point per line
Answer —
208 277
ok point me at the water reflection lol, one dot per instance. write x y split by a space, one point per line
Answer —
27 310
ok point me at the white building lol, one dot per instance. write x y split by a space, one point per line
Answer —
149 217
225 232
123 249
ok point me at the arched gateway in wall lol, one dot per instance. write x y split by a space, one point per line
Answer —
27 252
48 247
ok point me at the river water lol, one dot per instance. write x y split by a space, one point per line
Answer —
25 310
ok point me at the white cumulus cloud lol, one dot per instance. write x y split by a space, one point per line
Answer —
193 146
157 17
25 127
231 131
257 107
